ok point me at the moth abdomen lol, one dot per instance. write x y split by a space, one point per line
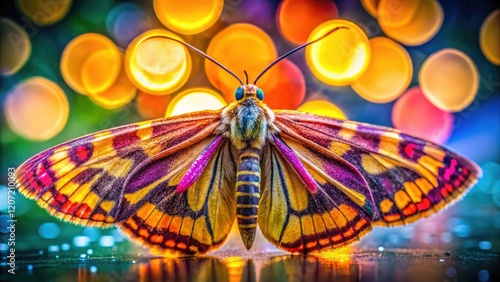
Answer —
248 194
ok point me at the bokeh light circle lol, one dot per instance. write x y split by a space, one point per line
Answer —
397 13
388 74
4 196
157 65
323 108
152 106
188 16
410 22
415 115
97 67
49 230
125 22
120 93
196 99
102 68
341 57
240 47
296 19
449 79
290 88
489 37
37 108
44 12
15 47
5 222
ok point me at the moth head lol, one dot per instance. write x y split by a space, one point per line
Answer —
248 90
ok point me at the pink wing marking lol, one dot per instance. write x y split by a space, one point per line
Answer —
296 164
198 166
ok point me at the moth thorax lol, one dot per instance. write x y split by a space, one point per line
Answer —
248 194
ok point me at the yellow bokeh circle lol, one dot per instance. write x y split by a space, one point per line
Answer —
322 108
188 16
388 74
489 37
157 65
90 63
44 12
37 109
120 93
341 57
449 79
15 47
411 22
196 99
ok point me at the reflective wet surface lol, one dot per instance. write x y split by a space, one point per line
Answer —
362 265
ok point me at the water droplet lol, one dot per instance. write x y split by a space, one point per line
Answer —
93 269
380 249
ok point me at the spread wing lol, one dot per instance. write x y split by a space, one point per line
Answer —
127 176
364 175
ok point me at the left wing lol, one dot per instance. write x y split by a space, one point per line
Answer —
82 180
130 177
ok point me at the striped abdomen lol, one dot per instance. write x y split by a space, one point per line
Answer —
248 194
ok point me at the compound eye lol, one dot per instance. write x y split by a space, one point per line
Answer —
238 94
260 94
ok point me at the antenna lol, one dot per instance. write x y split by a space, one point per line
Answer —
295 50
246 75
201 53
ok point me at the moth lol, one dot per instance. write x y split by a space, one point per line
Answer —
177 184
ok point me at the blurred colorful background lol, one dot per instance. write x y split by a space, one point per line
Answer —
429 68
